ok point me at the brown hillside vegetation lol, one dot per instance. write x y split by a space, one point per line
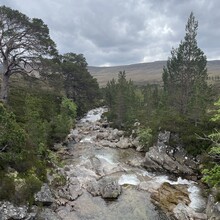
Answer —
142 73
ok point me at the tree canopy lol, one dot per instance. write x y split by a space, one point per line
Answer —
23 42
79 85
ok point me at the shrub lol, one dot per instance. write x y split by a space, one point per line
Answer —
145 137
212 176
7 187
12 138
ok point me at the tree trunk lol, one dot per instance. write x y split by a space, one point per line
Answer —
4 88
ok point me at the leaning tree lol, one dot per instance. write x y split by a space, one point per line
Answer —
23 43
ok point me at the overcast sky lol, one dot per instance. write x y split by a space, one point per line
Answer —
118 32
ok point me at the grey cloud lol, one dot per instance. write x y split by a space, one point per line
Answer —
124 31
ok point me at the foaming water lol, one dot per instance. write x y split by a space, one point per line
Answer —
94 115
198 203
130 179
107 158
87 140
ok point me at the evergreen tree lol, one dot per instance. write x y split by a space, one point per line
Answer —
23 43
79 85
185 75
122 101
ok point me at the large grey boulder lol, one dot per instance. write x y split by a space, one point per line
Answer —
174 160
157 159
44 196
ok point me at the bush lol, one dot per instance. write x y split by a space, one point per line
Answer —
7 187
212 176
12 138
64 121
145 137
32 185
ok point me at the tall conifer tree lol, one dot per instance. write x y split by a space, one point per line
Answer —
185 75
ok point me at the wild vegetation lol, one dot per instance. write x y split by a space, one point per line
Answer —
42 94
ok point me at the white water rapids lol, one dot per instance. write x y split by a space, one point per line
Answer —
197 201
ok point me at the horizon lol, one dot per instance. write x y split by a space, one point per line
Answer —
143 63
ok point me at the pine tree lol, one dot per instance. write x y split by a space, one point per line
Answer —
185 75
122 101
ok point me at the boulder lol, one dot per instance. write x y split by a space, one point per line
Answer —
157 159
10 211
173 160
106 143
182 211
164 137
71 191
213 208
109 188
102 135
47 214
115 134
136 143
168 196
93 188
123 143
44 196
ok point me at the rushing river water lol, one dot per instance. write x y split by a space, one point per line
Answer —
90 160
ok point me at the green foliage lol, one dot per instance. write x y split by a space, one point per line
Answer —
62 122
25 187
215 150
145 137
58 180
7 187
122 100
36 126
68 108
216 116
19 189
79 85
11 134
23 43
12 138
212 176
211 173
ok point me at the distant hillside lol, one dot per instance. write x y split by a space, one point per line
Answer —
142 73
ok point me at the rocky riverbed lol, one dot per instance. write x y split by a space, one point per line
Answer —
108 178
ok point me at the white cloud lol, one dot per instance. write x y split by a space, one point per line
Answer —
124 31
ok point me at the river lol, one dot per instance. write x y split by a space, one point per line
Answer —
93 160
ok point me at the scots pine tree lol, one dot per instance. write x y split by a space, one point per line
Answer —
185 76
23 44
